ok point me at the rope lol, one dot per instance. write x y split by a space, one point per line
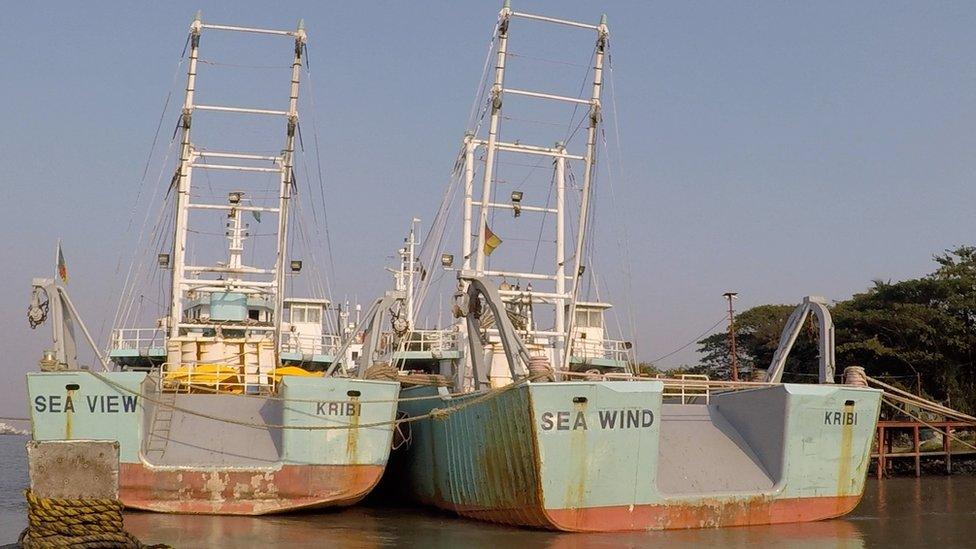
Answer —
428 380
909 398
78 523
382 371
437 413
929 425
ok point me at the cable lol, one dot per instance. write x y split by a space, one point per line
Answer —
693 341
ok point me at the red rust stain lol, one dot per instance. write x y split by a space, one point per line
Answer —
507 489
244 492
711 513
708 514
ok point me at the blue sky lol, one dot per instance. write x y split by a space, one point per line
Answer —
778 149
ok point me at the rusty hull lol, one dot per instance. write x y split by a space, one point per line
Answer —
503 461
245 492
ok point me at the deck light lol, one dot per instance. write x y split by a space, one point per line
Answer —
517 202
447 260
296 265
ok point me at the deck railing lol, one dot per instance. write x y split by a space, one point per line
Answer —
431 341
608 349
204 379
134 339
325 344
686 387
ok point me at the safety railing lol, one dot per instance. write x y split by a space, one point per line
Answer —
134 339
206 378
431 341
325 344
607 349
687 387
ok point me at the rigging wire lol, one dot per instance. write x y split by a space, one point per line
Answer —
141 188
692 342
213 63
544 59
318 165
628 264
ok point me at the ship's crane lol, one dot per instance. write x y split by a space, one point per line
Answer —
828 363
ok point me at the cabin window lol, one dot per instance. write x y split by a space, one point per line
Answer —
306 313
589 319
254 314
313 315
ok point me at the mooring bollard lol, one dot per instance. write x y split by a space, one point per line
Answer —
73 499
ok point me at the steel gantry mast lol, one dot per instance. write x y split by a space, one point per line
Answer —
235 275
561 297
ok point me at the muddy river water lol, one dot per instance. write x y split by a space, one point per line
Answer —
933 511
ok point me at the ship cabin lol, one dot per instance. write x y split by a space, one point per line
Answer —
141 349
305 341
430 351
231 307
591 347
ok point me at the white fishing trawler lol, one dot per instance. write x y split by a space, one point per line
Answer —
224 406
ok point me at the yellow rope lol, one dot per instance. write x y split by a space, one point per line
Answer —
77 523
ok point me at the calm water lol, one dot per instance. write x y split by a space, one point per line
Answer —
902 512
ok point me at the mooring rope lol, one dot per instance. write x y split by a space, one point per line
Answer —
86 523
945 432
436 413
895 392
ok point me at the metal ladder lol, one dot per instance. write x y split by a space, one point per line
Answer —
159 431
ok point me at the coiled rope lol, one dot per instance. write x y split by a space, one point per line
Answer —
77 523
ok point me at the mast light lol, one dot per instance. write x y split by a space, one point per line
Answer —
517 202
163 260
235 197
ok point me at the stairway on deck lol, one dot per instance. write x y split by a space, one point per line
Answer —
701 452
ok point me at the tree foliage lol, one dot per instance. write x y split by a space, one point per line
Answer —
914 332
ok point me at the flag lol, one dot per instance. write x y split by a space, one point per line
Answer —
62 267
257 215
491 241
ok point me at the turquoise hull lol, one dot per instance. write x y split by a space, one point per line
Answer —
223 453
605 456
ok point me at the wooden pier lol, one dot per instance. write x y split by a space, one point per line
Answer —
887 429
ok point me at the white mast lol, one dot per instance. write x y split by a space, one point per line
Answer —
559 295
496 109
183 183
287 176
469 147
588 168
560 313
239 278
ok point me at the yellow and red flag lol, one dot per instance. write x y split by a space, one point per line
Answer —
491 241
62 266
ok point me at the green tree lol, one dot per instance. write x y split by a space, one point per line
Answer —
917 332
757 335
